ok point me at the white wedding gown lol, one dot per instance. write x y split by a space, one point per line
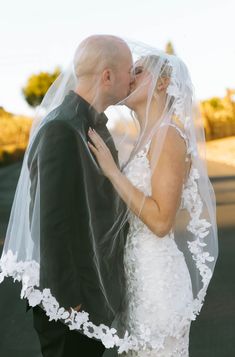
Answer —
158 281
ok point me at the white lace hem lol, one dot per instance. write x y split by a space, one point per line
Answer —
199 228
28 273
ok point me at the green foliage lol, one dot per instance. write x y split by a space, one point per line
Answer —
215 103
14 135
4 113
9 157
37 86
219 116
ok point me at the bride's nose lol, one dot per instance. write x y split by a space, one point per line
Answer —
132 81
132 77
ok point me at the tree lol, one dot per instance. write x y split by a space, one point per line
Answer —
169 48
219 116
37 86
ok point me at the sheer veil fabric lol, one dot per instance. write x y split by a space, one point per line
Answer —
195 228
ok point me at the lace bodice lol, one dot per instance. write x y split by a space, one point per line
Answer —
139 173
140 164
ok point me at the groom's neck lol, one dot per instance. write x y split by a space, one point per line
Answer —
90 97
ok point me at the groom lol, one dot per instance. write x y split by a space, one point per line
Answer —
77 203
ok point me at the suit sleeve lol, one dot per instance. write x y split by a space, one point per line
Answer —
59 181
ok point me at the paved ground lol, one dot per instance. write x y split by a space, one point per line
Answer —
17 337
212 335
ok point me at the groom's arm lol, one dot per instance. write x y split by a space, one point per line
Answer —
59 180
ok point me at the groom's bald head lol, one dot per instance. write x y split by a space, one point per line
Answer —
103 67
98 52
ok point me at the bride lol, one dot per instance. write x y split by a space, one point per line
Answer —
171 246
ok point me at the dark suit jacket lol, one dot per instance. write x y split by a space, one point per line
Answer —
80 212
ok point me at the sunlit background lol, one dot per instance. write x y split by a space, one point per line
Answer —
38 36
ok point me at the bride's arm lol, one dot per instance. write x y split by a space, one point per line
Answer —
158 211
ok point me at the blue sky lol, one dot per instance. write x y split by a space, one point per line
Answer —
41 35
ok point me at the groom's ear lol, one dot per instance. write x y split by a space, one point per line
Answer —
107 76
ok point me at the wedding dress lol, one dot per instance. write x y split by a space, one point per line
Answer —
158 282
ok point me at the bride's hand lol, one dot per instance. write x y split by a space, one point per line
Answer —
102 154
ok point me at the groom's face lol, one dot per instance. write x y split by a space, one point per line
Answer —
123 76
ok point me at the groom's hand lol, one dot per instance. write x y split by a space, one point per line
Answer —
77 308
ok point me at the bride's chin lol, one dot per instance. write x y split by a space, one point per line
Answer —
129 104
